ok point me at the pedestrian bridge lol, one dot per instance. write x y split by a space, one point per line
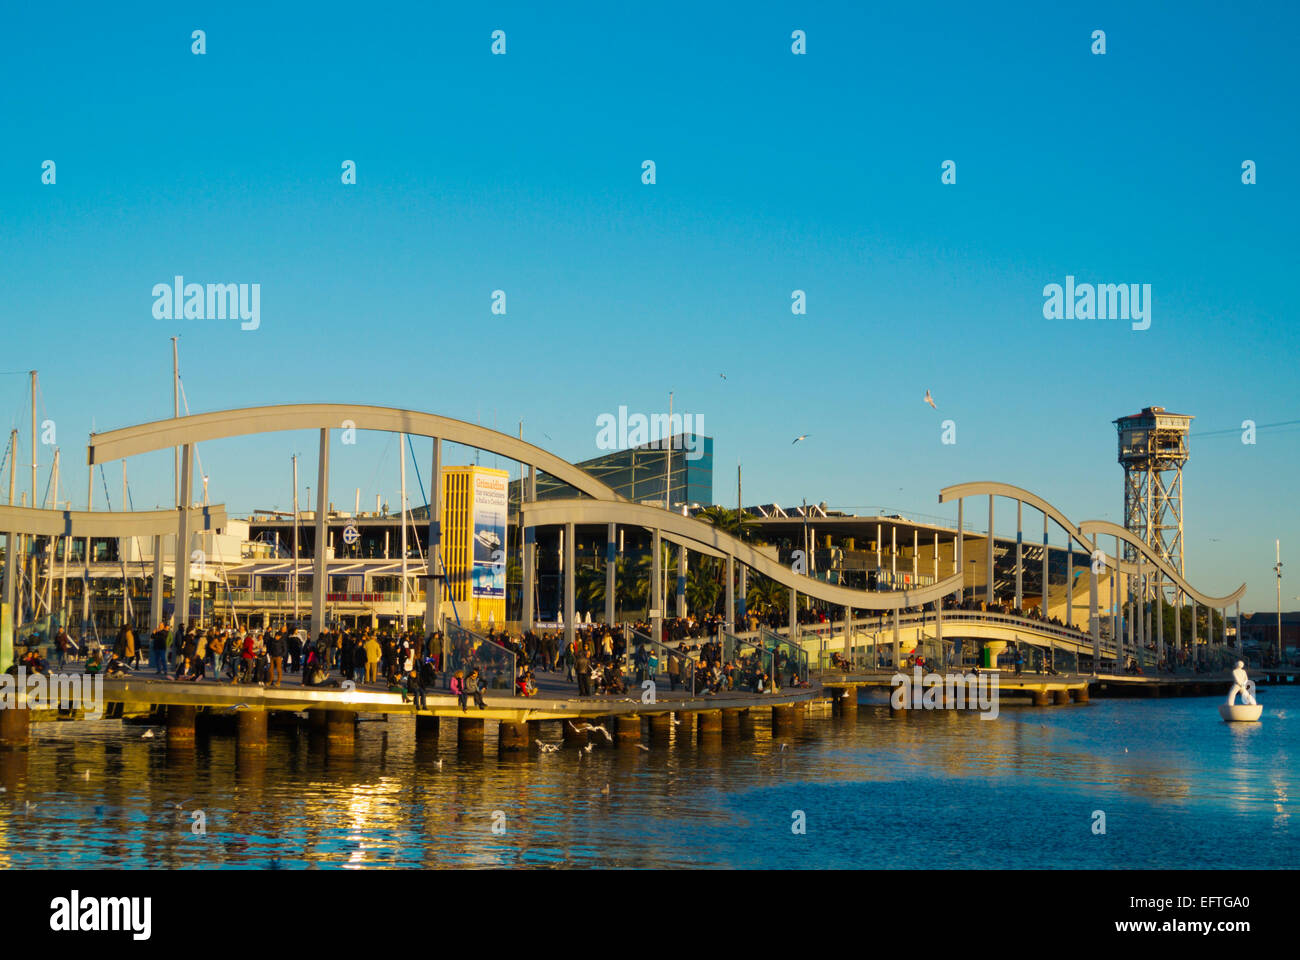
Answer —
594 503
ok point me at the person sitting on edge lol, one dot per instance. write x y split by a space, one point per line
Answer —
474 688
94 662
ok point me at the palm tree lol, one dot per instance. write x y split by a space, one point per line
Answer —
730 521
704 586
766 596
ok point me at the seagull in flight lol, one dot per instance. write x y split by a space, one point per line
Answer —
588 727
802 436
723 376
546 747
930 400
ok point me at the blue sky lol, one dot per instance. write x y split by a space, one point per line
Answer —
775 172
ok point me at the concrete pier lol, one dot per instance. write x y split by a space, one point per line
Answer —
685 725
510 736
731 721
710 724
661 726
250 732
627 728
340 729
1060 696
15 727
426 728
1080 694
785 718
180 726
469 732
1041 698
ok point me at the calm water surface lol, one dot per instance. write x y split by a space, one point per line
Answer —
1179 788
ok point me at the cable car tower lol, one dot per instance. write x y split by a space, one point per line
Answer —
1152 451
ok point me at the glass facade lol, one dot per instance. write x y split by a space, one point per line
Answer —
638 474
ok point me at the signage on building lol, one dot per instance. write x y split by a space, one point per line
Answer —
490 506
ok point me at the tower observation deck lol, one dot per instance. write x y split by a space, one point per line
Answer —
1152 451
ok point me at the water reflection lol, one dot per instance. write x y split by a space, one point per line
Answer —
877 791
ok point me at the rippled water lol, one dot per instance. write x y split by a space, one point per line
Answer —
1178 787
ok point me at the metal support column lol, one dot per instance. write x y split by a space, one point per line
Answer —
1069 582
611 550
530 555
156 596
321 551
1047 587
182 588
988 557
569 625
729 619
656 587
1094 621
681 580
1020 557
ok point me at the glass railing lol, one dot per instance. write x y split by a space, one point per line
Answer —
752 660
789 655
39 634
468 651
658 659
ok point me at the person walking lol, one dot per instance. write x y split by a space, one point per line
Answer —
373 653
276 648
582 669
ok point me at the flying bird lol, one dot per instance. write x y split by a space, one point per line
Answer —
723 376
930 400
802 436
546 747
642 746
587 748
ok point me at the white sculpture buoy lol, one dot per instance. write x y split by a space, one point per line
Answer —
1248 711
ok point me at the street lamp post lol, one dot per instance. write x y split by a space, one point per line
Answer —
1277 567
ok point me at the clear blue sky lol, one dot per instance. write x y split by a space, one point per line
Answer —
775 172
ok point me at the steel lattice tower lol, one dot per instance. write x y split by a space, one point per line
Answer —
1152 451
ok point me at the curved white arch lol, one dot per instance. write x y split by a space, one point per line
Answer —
698 532
220 424
107 523
1078 532
1115 530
